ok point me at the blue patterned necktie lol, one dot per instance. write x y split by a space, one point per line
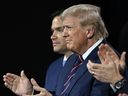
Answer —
72 73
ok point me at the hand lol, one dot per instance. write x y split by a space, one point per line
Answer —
122 94
36 87
109 69
105 49
18 84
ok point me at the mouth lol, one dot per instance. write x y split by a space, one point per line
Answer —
55 43
68 41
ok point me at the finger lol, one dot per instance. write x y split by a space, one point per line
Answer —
102 48
112 53
40 89
102 51
7 78
101 57
22 74
112 62
96 76
45 93
10 76
34 83
122 94
119 95
89 65
93 67
15 84
8 85
109 59
122 60
9 81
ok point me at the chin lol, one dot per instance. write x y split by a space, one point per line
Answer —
56 50
69 47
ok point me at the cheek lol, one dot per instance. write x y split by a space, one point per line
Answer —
74 35
80 40
62 40
79 37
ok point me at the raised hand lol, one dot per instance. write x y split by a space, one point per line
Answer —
18 84
36 87
109 69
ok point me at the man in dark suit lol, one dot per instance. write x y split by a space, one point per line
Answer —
84 31
111 69
21 85
59 46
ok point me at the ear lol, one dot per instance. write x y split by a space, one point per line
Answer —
90 32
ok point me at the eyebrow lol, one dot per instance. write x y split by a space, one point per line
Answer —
58 28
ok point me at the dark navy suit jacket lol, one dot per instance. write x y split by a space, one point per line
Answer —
124 89
83 83
54 72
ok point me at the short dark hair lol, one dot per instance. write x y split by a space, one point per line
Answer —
56 13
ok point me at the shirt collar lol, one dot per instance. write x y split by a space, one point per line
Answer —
85 55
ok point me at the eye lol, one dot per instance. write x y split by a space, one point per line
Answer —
59 29
69 28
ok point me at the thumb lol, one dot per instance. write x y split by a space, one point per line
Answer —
89 64
40 89
34 83
22 74
122 61
36 86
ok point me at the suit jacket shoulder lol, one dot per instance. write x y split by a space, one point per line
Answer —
52 74
84 84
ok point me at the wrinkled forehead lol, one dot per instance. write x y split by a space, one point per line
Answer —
70 20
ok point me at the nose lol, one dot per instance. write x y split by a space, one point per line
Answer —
53 36
65 33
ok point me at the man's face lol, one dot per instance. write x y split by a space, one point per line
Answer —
58 41
74 34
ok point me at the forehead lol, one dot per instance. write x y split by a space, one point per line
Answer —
70 20
57 20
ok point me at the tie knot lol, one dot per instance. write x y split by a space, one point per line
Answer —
81 58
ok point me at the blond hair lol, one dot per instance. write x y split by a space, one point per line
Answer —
88 15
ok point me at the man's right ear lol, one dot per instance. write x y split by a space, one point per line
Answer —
90 33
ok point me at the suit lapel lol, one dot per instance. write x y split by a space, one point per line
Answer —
79 73
64 72
82 69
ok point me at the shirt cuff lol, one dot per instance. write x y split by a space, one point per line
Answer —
113 88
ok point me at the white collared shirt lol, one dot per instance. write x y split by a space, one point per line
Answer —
64 60
85 55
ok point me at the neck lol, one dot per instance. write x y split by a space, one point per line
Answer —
68 53
87 46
